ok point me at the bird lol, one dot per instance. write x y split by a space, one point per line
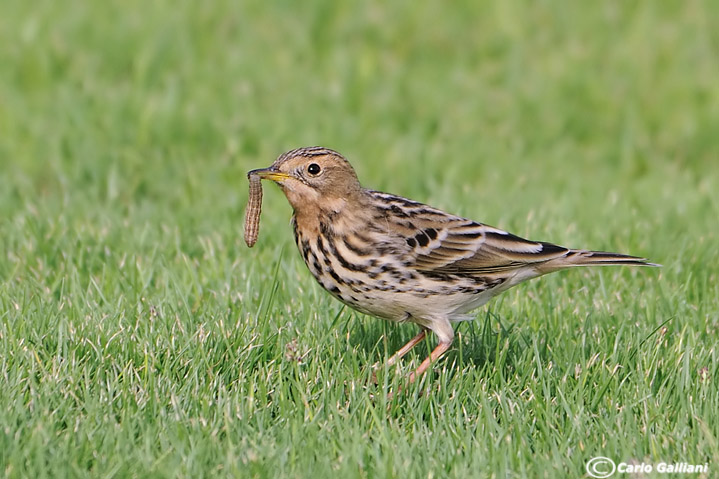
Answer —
404 261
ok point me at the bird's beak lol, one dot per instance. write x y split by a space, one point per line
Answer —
269 174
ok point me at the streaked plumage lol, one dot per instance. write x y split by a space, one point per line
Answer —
401 260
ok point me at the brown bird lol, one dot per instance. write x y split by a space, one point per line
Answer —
404 261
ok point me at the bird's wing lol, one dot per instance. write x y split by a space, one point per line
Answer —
435 241
466 247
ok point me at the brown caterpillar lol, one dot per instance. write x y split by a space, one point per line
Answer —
254 206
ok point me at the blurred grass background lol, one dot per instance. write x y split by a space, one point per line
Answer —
140 337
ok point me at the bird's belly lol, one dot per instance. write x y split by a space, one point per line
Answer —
416 298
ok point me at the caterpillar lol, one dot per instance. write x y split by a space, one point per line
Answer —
254 207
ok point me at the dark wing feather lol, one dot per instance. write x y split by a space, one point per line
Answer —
490 251
443 243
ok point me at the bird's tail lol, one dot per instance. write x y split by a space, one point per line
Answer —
579 257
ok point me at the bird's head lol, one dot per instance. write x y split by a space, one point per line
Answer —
313 177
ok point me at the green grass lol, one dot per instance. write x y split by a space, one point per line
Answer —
139 337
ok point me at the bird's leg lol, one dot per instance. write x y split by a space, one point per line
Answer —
401 352
407 347
441 348
433 357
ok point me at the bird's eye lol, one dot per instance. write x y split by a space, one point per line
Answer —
313 169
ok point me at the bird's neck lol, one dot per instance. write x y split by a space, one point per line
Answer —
337 216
